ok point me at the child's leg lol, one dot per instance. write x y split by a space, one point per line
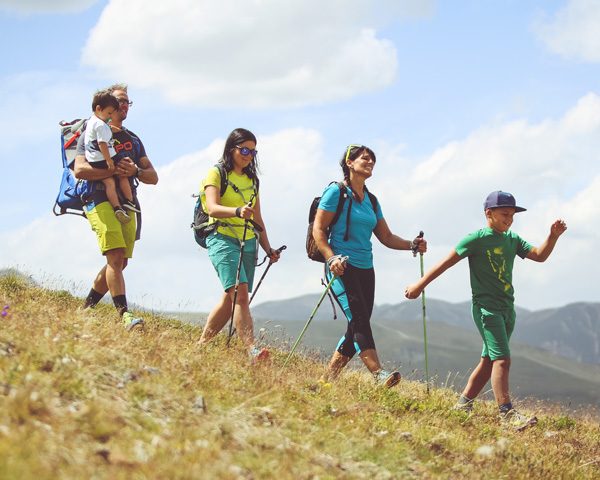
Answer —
479 377
111 191
495 329
500 370
125 188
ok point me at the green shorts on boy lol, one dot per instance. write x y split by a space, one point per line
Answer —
491 252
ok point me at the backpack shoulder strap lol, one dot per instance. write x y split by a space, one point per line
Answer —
340 206
373 199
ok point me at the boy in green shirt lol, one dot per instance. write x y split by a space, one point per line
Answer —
491 252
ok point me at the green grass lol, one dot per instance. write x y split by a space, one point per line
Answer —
82 398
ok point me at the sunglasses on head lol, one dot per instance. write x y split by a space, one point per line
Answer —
352 148
246 151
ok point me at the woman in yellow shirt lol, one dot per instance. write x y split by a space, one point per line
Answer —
239 222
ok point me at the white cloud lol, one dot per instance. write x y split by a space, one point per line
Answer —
45 6
573 31
251 53
551 167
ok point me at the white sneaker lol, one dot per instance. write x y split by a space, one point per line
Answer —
387 379
517 420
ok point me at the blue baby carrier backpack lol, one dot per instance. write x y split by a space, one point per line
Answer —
73 193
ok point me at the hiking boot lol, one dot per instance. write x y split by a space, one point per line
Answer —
387 379
258 354
132 322
517 420
122 215
464 407
129 205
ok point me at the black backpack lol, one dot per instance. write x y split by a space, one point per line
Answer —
200 225
311 246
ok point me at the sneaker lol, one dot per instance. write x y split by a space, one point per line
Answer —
258 354
517 420
129 205
464 407
122 215
132 322
387 379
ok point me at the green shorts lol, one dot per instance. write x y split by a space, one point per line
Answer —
495 329
224 254
110 232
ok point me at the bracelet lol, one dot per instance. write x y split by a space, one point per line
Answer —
238 212
332 259
412 245
138 171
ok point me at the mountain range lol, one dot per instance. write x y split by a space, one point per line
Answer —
555 352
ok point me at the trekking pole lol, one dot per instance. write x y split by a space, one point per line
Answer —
279 250
414 250
237 275
314 312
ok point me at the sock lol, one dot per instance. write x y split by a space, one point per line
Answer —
504 408
120 302
462 400
92 299
118 207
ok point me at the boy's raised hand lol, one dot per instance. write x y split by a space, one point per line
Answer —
558 228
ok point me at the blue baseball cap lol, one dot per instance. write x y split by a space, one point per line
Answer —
499 199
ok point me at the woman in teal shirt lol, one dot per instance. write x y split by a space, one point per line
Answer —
350 235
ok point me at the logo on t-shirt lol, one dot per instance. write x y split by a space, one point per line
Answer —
498 264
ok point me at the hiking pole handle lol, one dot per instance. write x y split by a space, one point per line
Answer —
415 246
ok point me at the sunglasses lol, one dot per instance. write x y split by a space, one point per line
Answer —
246 151
352 148
122 101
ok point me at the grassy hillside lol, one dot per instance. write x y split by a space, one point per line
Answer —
81 398
453 352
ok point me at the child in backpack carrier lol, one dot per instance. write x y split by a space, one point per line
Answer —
100 153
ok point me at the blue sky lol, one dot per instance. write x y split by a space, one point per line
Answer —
456 98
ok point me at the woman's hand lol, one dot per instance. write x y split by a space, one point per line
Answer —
419 245
337 265
273 254
244 212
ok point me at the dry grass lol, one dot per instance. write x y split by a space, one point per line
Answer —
82 398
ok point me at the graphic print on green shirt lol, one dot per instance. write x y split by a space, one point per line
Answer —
491 257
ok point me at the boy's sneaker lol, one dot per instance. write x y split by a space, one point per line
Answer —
122 215
517 420
387 379
258 354
132 322
131 206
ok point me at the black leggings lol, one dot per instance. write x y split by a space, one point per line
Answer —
355 293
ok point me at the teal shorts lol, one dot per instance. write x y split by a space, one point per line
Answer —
224 254
495 329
